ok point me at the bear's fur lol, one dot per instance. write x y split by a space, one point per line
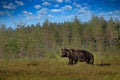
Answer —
78 55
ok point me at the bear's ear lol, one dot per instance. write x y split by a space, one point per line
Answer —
65 49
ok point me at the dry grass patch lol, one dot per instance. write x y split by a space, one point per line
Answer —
58 69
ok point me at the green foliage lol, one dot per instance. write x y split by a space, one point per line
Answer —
12 47
34 41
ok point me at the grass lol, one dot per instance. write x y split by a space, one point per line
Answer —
105 68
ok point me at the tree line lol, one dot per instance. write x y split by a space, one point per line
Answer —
35 41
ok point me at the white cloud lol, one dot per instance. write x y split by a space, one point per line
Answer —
42 11
46 4
43 0
117 11
3 13
76 5
115 16
63 18
69 17
37 6
67 0
27 13
56 10
19 3
110 12
38 17
83 10
33 17
59 1
9 6
67 7
50 16
56 5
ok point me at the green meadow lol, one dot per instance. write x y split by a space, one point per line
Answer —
105 68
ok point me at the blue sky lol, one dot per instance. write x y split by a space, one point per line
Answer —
36 11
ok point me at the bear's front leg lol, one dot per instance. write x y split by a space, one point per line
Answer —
70 61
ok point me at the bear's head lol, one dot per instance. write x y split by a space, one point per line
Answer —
65 52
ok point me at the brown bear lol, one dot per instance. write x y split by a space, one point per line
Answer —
78 55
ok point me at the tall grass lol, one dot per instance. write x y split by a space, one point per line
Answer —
56 68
